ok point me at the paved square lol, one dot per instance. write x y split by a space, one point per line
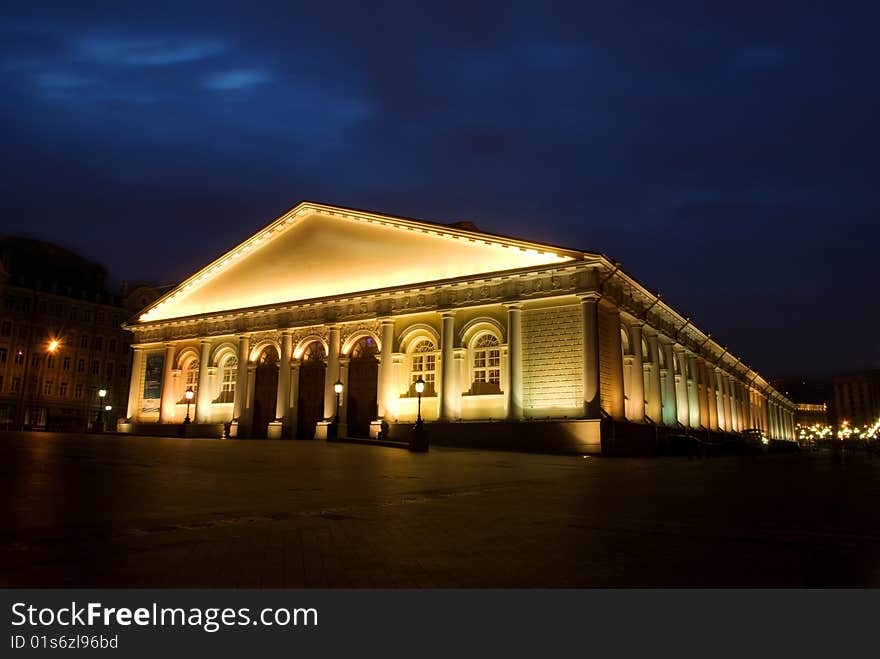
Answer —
101 511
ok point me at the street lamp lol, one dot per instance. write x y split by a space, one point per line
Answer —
99 420
420 388
338 389
189 396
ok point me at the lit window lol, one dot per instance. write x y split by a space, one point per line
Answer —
487 365
229 370
423 365
191 377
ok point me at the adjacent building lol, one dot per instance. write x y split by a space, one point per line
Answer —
61 338
515 341
857 398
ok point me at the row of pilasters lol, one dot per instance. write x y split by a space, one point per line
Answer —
696 395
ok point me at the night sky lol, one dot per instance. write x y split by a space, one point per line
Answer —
726 156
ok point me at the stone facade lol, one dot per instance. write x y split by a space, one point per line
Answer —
501 330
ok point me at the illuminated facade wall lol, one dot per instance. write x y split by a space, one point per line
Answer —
503 330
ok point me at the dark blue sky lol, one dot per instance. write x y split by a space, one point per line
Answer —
725 153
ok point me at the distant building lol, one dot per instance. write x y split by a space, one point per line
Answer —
61 337
330 317
857 398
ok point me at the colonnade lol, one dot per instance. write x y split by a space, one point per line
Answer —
658 380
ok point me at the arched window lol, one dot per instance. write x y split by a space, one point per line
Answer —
190 378
314 352
365 347
486 353
423 364
624 341
228 376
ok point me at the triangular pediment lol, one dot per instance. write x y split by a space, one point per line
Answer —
316 251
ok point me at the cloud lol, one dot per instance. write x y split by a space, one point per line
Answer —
237 80
147 52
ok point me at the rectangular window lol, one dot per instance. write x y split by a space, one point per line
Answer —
10 303
35 360
99 343
99 317
78 391
87 316
62 389
2 355
96 367
1 383
50 361
111 346
19 358
6 328
65 365
108 372
47 388
72 313
16 385
81 366
84 341
42 306
122 371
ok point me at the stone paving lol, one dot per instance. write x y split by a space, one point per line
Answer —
116 511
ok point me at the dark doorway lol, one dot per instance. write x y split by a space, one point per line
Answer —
310 399
363 376
265 392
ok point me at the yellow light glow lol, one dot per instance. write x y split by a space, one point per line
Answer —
321 255
53 345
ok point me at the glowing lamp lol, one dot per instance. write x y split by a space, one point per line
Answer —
189 394
107 408
338 387
420 385
53 345
102 393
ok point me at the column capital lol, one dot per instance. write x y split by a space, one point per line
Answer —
386 320
591 296
448 313
513 306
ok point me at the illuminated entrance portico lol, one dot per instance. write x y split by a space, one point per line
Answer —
504 334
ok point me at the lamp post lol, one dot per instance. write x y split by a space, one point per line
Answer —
189 396
52 348
99 420
420 388
338 389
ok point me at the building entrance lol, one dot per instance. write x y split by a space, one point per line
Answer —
363 376
310 399
265 392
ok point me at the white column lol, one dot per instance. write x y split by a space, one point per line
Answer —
721 400
332 373
447 382
734 416
385 381
168 401
702 391
135 384
514 362
240 395
637 376
670 402
655 396
682 391
343 407
282 399
592 397
203 396
693 391
293 401
709 373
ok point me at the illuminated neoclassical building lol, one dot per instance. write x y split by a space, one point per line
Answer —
519 343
